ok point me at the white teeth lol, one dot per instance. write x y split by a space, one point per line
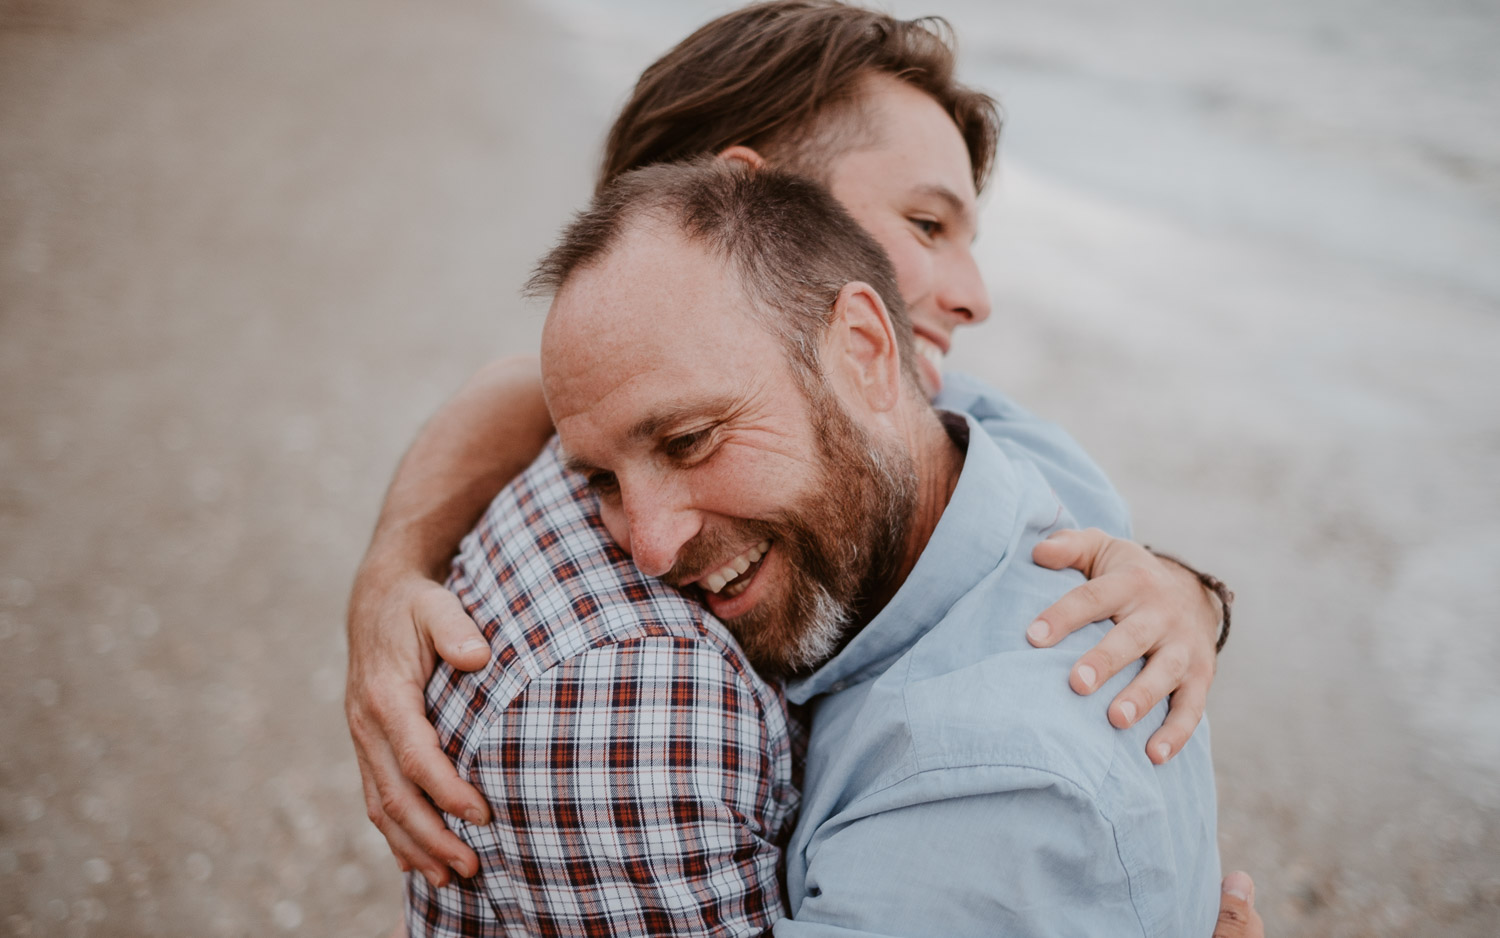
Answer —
929 350
720 578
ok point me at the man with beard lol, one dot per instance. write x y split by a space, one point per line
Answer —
728 363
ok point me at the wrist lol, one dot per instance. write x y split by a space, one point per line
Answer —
1219 597
408 546
385 580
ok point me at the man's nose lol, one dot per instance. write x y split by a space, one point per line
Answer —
963 292
660 521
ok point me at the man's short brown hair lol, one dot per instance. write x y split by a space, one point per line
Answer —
768 75
790 242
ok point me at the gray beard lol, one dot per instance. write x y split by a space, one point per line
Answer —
827 621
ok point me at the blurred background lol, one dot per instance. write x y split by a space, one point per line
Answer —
1248 253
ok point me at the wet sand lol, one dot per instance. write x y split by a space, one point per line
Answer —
246 249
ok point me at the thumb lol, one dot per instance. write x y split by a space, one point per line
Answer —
1068 548
441 618
1237 915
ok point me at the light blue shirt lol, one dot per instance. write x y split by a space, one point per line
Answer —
955 785
1083 487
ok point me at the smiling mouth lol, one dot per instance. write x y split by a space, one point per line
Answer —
734 577
930 353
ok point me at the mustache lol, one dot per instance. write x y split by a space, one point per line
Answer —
709 549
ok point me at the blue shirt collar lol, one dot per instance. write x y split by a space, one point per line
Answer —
974 535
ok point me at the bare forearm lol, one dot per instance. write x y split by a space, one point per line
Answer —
477 442
400 618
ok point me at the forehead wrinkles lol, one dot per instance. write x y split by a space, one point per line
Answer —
620 301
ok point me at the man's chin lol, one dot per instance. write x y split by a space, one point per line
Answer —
795 637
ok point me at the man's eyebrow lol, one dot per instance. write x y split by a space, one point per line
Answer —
955 204
651 425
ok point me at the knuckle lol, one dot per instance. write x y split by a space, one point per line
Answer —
359 719
1176 659
1113 663
1139 634
381 707
1192 710
1174 736
432 603
393 807
1145 694
1087 593
1142 579
1106 660
409 761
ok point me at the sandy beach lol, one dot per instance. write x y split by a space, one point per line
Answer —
1247 256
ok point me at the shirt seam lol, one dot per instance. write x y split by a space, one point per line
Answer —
1090 794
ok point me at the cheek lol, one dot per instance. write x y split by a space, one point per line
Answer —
914 277
745 482
613 516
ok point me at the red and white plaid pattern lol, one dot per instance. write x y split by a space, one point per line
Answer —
642 776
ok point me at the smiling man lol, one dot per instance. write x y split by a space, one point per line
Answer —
812 512
729 364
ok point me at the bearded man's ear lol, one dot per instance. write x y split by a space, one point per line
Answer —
739 153
861 341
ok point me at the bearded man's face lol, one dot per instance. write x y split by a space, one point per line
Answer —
719 466
841 541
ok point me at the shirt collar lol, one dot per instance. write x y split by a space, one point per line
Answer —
972 538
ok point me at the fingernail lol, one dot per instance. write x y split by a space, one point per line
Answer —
474 816
1127 710
473 644
1238 884
1087 676
1162 750
1037 631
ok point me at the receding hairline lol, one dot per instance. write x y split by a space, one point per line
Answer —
652 220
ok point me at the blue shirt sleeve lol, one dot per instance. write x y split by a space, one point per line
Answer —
939 855
1079 483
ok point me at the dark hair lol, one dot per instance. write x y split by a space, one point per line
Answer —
764 75
791 243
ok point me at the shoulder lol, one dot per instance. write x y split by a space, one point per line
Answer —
1011 710
565 610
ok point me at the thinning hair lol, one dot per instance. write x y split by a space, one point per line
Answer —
791 244
785 78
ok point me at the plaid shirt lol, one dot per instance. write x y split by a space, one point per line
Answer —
641 774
